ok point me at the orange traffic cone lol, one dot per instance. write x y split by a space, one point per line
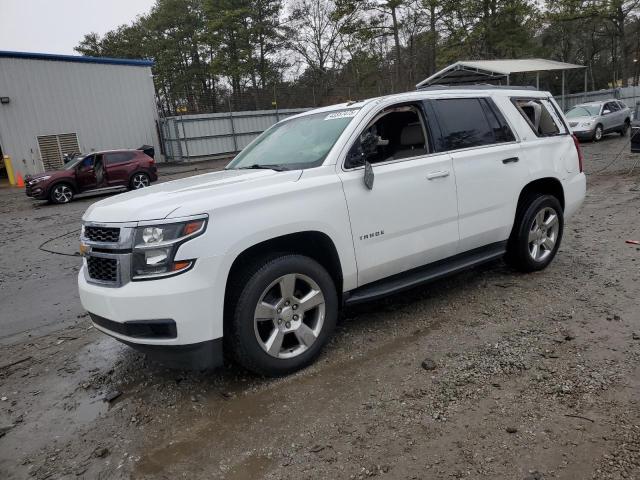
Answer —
19 180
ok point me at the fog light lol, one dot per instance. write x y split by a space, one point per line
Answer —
156 257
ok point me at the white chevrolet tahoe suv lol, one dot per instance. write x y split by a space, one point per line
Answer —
332 207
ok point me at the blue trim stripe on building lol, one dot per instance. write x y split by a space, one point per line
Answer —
77 58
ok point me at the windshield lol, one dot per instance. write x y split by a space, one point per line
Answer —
584 111
302 142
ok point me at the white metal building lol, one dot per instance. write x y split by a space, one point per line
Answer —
51 105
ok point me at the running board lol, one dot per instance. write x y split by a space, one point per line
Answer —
425 274
98 191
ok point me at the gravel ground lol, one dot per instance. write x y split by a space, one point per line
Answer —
488 374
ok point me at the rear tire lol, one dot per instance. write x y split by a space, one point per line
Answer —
280 312
61 193
537 233
139 180
625 128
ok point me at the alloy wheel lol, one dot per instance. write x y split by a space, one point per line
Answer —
289 316
140 180
543 234
598 133
62 194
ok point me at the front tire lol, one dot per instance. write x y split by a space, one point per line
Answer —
537 233
61 193
281 312
598 133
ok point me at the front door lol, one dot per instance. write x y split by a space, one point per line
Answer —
86 174
410 216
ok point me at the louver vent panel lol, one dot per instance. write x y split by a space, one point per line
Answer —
54 147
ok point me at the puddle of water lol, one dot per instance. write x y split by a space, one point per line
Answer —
229 420
250 468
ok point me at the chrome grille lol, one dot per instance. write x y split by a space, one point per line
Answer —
102 234
573 124
103 269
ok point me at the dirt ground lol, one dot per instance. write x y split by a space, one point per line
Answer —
488 374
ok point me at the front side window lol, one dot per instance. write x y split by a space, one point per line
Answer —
611 106
396 133
463 123
299 143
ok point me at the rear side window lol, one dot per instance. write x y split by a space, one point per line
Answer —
541 116
119 157
501 130
463 123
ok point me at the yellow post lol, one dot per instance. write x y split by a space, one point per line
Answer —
9 168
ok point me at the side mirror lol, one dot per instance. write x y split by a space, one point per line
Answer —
368 175
606 112
364 149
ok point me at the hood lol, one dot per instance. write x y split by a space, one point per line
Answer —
581 119
187 196
48 173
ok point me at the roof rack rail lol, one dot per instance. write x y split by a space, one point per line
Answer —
477 86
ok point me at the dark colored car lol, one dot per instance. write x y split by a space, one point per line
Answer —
93 172
635 130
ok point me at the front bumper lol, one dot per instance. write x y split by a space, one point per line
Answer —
586 134
37 191
191 301
196 356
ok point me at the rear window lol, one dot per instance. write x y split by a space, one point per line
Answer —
470 122
541 116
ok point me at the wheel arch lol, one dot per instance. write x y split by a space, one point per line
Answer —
66 181
546 185
312 243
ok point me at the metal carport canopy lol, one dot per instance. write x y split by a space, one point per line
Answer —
482 71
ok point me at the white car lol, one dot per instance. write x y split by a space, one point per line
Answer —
329 208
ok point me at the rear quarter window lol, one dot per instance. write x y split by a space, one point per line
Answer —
541 116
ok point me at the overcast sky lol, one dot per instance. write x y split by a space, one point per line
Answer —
56 26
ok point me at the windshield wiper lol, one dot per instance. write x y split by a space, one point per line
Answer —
255 166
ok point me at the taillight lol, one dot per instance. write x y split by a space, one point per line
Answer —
580 157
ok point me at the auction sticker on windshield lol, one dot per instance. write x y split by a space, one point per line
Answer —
341 114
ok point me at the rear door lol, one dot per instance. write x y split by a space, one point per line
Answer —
488 169
611 119
118 166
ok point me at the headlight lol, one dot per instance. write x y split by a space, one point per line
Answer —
586 124
155 247
40 179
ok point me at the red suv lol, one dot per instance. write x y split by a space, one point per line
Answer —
93 172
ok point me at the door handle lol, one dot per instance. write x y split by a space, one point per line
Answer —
510 160
440 174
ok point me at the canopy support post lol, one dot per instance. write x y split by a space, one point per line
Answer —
586 70
564 106
537 80
508 80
